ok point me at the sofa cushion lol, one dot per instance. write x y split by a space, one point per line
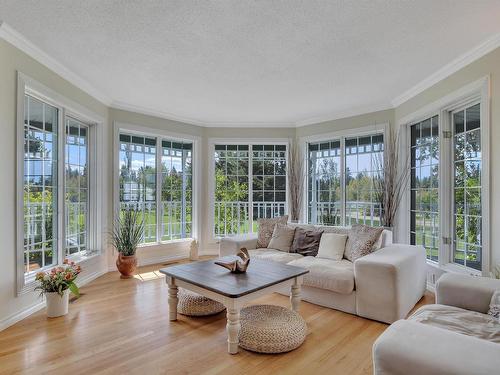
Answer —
459 320
306 242
337 276
273 254
282 237
332 246
266 228
360 241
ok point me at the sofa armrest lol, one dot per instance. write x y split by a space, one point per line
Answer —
466 292
231 245
390 281
412 348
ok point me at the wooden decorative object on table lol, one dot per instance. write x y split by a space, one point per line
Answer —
237 266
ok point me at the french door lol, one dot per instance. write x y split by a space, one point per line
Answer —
446 189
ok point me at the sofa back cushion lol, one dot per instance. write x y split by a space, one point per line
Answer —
266 229
332 246
361 241
282 237
306 242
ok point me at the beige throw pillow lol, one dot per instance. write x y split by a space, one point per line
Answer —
332 246
360 241
266 228
282 238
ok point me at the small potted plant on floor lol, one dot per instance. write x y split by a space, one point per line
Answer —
128 230
56 285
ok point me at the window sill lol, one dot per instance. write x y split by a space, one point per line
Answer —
153 244
83 258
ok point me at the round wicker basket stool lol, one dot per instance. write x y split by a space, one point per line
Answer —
193 304
271 329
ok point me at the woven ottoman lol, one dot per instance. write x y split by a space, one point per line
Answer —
271 329
193 304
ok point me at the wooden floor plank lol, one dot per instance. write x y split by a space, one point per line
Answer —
122 327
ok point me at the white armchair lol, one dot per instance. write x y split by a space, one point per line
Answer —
411 348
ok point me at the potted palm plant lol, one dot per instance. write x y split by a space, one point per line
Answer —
56 285
128 230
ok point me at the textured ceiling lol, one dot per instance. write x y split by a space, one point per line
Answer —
253 61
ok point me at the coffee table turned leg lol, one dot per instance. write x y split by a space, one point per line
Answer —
172 301
233 329
295 295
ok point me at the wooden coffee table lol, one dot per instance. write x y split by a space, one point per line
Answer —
233 290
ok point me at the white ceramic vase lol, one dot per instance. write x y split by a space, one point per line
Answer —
57 305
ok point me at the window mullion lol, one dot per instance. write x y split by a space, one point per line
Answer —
183 195
159 184
342 181
250 187
61 208
445 189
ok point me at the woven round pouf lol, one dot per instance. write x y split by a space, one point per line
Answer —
193 304
271 329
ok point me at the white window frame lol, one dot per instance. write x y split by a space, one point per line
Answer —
211 175
475 92
340 135
160 134
97 213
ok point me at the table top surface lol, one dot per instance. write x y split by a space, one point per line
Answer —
260 274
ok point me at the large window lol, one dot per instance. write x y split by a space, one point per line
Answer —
341 180
176 190
162 195
40 184
424 181
467 169
55 183
363 163
447 185
250 183
76 186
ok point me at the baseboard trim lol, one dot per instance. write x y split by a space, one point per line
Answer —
161 259
13 319
40 304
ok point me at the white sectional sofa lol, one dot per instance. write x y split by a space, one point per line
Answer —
384 285
453 337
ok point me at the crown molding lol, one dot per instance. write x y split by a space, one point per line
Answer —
187 120
19 41
460 62
344 114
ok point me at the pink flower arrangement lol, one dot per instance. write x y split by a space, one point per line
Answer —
58 279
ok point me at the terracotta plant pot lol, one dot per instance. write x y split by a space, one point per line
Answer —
57 305
126 265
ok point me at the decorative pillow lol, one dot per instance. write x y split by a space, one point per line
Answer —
282 238
494 310
306 242
266 228
332 246
360 241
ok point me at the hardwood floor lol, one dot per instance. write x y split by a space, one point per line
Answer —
121 327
